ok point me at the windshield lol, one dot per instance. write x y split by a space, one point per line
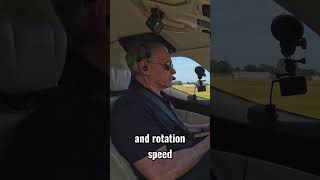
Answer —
245 55
187 79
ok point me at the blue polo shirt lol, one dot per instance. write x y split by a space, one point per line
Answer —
140 112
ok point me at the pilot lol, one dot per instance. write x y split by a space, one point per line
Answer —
145 111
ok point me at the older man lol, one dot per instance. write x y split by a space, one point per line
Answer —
145 111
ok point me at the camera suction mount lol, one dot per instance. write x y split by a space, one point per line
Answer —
289 31
201 73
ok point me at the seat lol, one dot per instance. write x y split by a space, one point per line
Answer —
119 81
32 56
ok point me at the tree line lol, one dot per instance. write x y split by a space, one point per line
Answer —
224 67
180 83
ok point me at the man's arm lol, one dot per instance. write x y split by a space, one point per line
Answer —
194 129
169 169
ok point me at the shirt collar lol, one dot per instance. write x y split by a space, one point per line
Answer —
134 84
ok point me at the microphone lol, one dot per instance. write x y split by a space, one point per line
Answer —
173 78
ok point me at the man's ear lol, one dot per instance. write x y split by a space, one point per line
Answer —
144 67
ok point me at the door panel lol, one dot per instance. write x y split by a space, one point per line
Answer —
193 118
262 170
277 146
200 106
293 141
230 166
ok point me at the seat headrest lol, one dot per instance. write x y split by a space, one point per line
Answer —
119 78
120 74
33 46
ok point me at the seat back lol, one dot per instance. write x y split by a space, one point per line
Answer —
32 56
119 80
119 167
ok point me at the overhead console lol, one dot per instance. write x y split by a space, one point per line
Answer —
178 15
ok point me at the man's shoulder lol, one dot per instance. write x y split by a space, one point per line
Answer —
132 98
128 102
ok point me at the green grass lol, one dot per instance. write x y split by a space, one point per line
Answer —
259 90
190 90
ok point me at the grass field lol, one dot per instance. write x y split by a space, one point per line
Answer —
190 90
259 90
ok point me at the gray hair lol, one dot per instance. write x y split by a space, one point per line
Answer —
140 51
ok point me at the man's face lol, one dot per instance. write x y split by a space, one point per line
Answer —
159 74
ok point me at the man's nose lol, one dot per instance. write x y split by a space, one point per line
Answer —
172 70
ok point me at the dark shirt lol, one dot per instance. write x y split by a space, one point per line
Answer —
138 114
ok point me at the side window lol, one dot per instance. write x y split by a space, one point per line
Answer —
186 78
246 56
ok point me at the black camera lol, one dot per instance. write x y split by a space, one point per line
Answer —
289 31
201 73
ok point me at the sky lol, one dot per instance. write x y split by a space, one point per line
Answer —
242 34
185 70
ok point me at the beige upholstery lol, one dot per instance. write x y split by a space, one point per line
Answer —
117 55
119 72
119 80
193 118
119 167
